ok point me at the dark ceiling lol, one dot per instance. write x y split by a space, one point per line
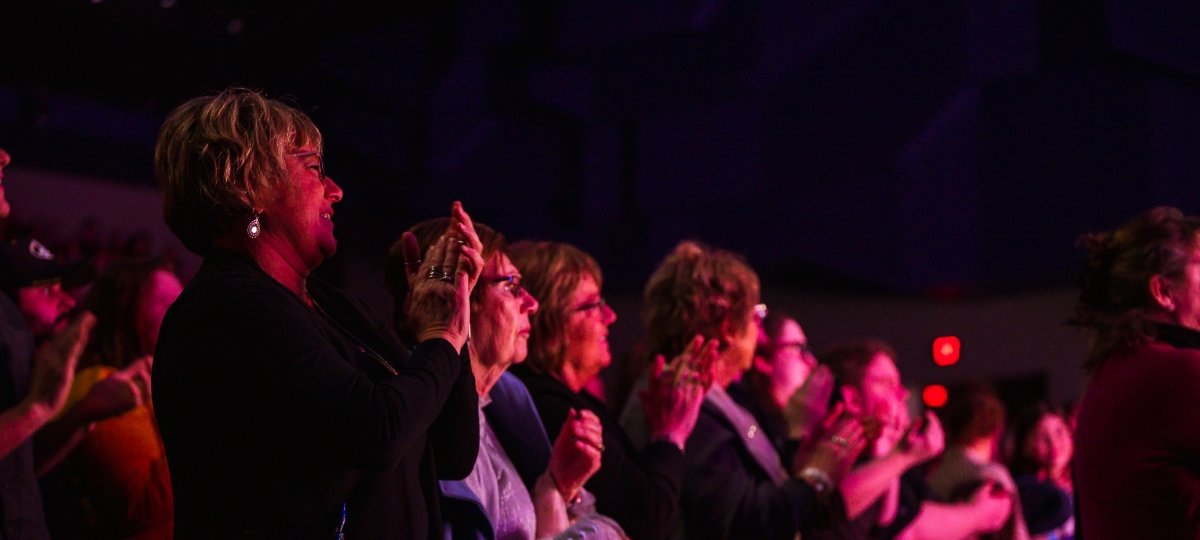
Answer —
882 146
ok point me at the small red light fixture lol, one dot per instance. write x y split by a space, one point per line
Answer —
934 396
946 350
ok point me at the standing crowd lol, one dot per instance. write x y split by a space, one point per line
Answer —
258 401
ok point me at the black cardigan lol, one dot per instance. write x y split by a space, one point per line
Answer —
638 489
281 421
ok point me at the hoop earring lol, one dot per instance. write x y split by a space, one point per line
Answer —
254 228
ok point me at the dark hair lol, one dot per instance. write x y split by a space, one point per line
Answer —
551 271
427 232
972 412
1022 427
115 298
1114 298
219 156
771 326
848 362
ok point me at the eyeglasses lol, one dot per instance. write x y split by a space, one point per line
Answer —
595 305
511 284
801 348
320 161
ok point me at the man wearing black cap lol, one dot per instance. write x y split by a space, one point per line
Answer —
33 388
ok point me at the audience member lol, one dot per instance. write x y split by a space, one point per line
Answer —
33 384
974 420
639 487
1041 450
286 409
521 486
735 484
1136 442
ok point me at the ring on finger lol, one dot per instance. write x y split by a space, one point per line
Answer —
840 441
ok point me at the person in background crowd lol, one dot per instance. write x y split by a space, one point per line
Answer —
33 384
974 419
639 487
521 486
116 483
886 495
735 484
1041 450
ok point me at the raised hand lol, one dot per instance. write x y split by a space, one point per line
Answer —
576 453
124 390
673 398
834 446
54 364
440 284
809 403
925 439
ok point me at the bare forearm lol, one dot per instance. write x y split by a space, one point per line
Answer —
942 522
19 423
866 483
550 508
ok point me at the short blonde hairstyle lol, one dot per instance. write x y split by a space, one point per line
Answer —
218 157
697 290
551 271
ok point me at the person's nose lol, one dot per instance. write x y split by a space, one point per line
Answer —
333 192
528 302
610 316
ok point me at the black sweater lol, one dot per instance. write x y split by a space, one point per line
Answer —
281 421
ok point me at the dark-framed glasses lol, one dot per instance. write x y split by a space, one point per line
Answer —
510 283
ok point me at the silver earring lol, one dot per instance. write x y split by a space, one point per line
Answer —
254 228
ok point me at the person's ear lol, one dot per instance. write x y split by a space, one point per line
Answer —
1160 290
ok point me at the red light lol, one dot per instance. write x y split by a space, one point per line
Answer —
946 350
934 396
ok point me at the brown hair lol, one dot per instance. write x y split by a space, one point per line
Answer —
551 271
848 362
115 298
1114 298
697 290
973 412
218 156
427 233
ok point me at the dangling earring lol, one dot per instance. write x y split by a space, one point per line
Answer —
254 228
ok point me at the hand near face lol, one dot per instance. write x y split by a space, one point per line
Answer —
672 400
834 446
924 439
124 390
576 453
809 403
54 364
440 284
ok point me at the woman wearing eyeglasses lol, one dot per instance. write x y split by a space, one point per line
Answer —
521 486
735 484
284 409
638 487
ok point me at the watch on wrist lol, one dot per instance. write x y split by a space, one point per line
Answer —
818 479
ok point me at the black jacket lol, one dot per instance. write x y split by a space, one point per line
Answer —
638 488
282 421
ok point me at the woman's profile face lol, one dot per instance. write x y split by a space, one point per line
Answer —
586 330
1049 443
791 360
158 293
500 317
1186 295
298 218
